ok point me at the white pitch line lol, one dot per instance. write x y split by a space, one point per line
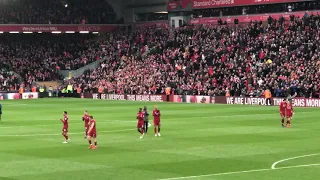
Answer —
14 104
297 157
29 135
239 172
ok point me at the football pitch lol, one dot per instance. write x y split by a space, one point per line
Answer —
199 141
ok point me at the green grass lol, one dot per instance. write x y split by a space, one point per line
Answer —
196 140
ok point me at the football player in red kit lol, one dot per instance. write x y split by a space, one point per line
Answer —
140 117
289 113
282 109
92 133
156 121
86 119
65 126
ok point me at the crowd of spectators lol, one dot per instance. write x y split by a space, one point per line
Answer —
8 81
130 62
220 60
257 9
40 57
283 57
56 12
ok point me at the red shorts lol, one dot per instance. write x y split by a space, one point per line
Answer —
140 124
282 114
156 123
86 128
93 134
289 115
65 129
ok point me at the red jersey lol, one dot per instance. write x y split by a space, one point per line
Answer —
156 115
65 122
140 116
283 106
93 123
85 118
289 109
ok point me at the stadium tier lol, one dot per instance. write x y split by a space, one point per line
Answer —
56 12
257 9
207 60
40 57
220 60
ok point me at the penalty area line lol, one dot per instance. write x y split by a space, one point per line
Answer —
296 157
240 172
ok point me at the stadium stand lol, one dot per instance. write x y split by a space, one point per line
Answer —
8 81
39 57
56 12
282 57
141 17
257 9
207 60
131 57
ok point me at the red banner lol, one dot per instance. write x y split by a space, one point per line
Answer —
126 97
198 99
297 102
192 99
185 3
225 3
4 96
160 24
177 4
56 28
30 95
177 98
173 5
247 18
300 102
242 100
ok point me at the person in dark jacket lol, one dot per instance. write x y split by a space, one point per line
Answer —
146 119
